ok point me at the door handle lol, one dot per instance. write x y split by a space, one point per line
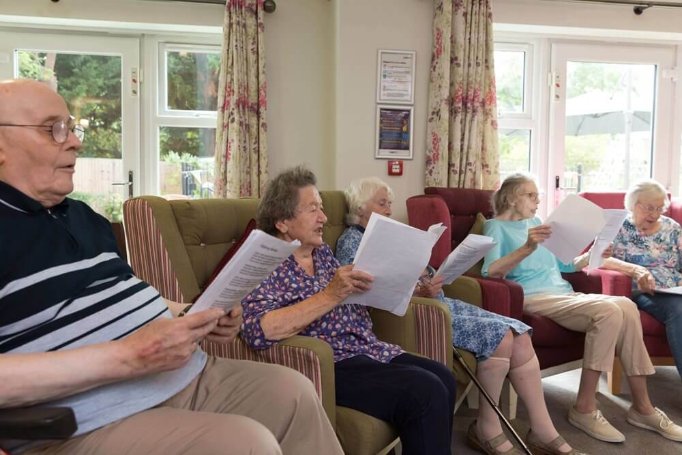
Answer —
129 184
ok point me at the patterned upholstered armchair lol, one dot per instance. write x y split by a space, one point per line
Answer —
175 245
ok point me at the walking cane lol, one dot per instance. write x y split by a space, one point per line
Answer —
490 401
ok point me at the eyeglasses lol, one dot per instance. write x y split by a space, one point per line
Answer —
648 208
60 129
532 196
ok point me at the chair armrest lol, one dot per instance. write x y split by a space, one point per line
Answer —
433 329
310 356
600 281
613 282
37 422
466 289
425 329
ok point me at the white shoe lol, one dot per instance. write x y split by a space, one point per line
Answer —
658 422
596 425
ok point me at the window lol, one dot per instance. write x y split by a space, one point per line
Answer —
513 65
185 119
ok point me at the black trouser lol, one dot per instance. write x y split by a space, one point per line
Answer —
414 394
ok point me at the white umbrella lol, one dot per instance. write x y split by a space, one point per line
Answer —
601 113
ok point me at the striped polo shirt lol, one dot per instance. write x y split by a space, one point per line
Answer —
63 285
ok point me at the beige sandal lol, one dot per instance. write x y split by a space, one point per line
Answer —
551 448
490 446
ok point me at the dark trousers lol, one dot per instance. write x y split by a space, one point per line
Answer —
414 394
666 309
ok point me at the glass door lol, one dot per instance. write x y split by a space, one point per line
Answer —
98 78
610 117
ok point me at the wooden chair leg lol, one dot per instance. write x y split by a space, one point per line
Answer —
615 377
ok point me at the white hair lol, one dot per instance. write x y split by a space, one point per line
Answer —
651 187
359 193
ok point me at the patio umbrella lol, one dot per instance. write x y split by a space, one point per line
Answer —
600 113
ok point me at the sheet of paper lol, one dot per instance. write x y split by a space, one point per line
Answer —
395 254
675 290
614 220
462 258
255 260
575 223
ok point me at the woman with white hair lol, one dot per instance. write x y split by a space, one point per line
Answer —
501 345
648 248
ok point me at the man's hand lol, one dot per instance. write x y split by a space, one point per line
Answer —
347 281
228 326
167 344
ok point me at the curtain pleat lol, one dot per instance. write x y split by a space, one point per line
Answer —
462 149
241 147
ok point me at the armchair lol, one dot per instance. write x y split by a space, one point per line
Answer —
557 348
655 337
175 245
36 422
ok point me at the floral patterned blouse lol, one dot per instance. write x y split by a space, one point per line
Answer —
347 328
660 253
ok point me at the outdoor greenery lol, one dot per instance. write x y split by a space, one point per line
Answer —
603 153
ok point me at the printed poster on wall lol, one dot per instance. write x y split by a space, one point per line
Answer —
394 132
395 77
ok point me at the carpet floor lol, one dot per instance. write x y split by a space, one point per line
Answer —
665 389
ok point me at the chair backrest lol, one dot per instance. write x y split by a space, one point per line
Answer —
175 245
456 208
616 200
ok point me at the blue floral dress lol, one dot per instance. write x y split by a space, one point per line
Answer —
660 253
473 329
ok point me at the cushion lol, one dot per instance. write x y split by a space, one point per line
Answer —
477 228
250 226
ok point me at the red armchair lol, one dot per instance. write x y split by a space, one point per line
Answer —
654 332
557 348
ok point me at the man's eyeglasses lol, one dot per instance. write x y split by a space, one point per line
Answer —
648 208
60 129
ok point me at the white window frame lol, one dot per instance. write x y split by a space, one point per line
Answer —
156 115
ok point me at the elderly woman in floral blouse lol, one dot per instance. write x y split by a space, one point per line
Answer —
502 345
305 295
648 248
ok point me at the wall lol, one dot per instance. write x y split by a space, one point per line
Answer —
365 27
300 55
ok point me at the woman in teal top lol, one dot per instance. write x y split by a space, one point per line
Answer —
611 323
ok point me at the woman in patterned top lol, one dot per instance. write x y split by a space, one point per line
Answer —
648 248
501 345
305 295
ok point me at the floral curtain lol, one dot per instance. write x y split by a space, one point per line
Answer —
241 147
461 129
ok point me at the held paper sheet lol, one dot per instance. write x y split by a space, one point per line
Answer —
614 220
395 254
675 290
255 260
462 258
575 223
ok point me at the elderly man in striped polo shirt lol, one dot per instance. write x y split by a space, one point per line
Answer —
78 329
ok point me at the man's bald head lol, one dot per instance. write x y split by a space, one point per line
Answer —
20 99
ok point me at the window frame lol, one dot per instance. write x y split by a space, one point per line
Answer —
154 102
